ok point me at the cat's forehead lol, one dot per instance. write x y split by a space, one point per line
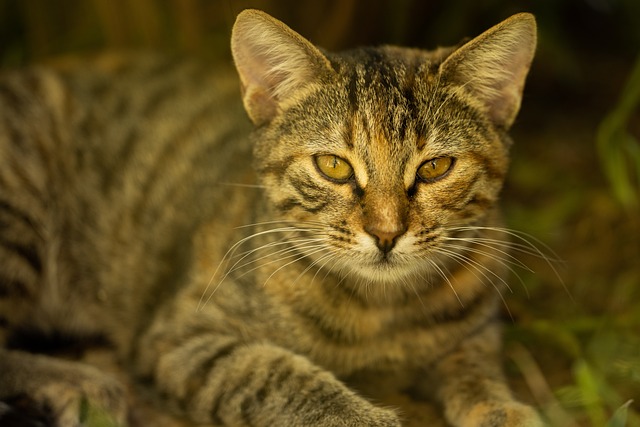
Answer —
386 63
382 92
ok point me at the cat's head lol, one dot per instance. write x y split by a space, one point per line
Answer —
386 152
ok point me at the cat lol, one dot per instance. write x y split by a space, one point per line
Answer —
250 270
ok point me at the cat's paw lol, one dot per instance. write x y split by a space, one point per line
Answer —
371 417
505 414
67 394
355 412
83 403
379 417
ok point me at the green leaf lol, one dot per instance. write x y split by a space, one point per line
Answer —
618 150
588 382
619 418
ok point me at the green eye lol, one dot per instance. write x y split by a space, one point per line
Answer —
334 167
434 169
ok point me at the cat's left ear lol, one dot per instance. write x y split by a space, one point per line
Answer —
494 65
273 62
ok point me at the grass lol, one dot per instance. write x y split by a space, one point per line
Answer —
578 348
618 148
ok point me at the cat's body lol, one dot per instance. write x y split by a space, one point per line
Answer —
373 243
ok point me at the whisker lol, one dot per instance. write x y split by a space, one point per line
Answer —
528 241
320 225
231 253
290 253
301 257
504 262
520 247
326 257
467 263
482 242
445 277
293 254
278 243
527 244
410 284
282 253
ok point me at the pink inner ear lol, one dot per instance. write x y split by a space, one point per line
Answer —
504 100
273 62
260 106
494 66
257 82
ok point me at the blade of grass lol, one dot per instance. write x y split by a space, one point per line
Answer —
618 150
619 418
588 383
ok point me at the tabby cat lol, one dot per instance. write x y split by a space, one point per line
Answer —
250 271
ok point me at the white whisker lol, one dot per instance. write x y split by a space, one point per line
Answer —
468 263
271 245
231 253
284 253
526 244
301 257
326 257
508 258
504 262
318 224
445 277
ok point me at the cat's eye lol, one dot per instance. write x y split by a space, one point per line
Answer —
334 167
434 169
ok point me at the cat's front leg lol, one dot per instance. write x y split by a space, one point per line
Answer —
472 387
67 394
221 380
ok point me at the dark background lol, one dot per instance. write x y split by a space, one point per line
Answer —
574 342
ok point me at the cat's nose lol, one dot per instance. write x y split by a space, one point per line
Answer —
386 239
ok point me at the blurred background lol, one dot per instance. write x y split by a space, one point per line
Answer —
573 322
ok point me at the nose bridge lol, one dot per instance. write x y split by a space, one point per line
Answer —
386 202
385 214
385 207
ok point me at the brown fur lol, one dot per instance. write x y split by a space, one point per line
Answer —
130 210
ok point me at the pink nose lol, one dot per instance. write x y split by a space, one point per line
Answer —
385 239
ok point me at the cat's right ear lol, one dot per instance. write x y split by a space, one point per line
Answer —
273 62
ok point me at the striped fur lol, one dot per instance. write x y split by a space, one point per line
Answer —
253 290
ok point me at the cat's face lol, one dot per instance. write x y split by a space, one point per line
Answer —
383 163
382 156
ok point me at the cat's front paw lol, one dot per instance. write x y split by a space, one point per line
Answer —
505 414
80 404
381 418
344 411
61 393
371 416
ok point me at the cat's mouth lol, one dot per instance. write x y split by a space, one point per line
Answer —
382 267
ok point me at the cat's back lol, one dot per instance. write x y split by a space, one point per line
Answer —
107 166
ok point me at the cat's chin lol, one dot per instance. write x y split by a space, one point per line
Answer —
383 272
